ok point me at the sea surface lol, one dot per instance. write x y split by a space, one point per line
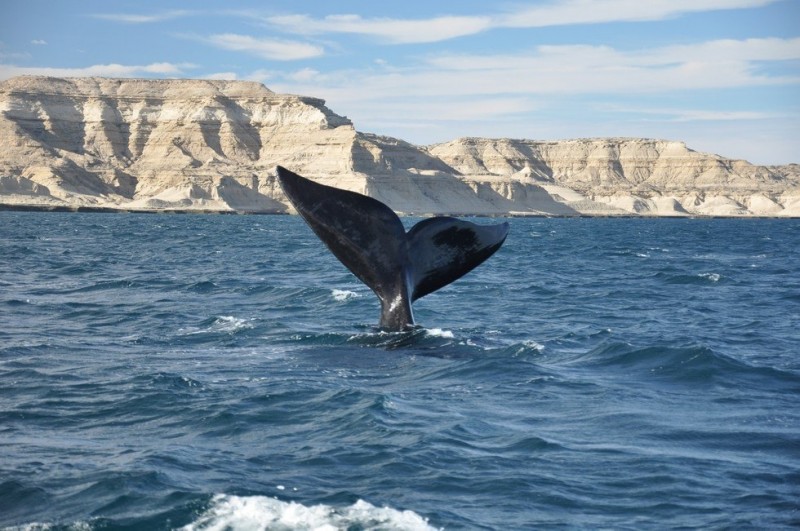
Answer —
207 372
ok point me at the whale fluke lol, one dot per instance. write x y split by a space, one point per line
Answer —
369 238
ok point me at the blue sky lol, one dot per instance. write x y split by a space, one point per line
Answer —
721 75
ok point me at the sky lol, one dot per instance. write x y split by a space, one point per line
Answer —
721 75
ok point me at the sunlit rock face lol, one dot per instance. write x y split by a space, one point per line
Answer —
135 144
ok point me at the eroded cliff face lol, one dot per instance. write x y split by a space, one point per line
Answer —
156 144
214 145
630 175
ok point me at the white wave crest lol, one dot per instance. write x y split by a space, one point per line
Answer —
260 512
38 526
226 324
713 277
343 294
533 345
438 332
229 323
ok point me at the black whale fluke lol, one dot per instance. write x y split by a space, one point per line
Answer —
368 238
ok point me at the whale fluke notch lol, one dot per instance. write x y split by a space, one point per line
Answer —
370 240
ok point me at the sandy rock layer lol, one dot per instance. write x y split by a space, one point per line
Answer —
203 145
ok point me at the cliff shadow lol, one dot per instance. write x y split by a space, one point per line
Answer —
58 123
442 193
246 199
232 135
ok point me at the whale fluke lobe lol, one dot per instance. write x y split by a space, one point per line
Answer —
369 238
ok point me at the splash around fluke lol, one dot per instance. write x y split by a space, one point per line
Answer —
369 238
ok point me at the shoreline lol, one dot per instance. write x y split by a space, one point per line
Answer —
10 207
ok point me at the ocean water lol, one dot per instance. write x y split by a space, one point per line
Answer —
225 372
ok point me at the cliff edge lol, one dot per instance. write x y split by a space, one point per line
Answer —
133 144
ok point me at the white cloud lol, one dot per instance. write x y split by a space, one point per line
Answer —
13 56
720 116
261 75
564 69
305 74
279 50
558 13
571 57
391 30
107 70
444 109
691 115
222 76
130 18
571 12
166 68
39 42
559 91
769 49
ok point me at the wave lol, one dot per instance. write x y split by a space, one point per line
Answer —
690 279
16 302
438 332
435 342
205 286
261 512
417 337
688 364
228 324
105 285
342 295
791 296
225 325
171 381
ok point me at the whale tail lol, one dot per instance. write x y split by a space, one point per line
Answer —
368 237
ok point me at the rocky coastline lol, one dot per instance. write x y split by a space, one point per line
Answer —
205 146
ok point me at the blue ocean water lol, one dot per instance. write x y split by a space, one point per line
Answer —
225 372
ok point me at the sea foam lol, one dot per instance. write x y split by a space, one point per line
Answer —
438 332
261 512
343 294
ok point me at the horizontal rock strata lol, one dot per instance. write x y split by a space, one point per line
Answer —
184 145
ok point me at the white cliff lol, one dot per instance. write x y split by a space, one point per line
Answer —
630 175
134 144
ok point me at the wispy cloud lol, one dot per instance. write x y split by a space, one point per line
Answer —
572 12
39 42
557 89
225 76
105 70
580 69
274 49
14 56
463 109
691 115
724 51
10 55
390 30
566 69
558 13
132 18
